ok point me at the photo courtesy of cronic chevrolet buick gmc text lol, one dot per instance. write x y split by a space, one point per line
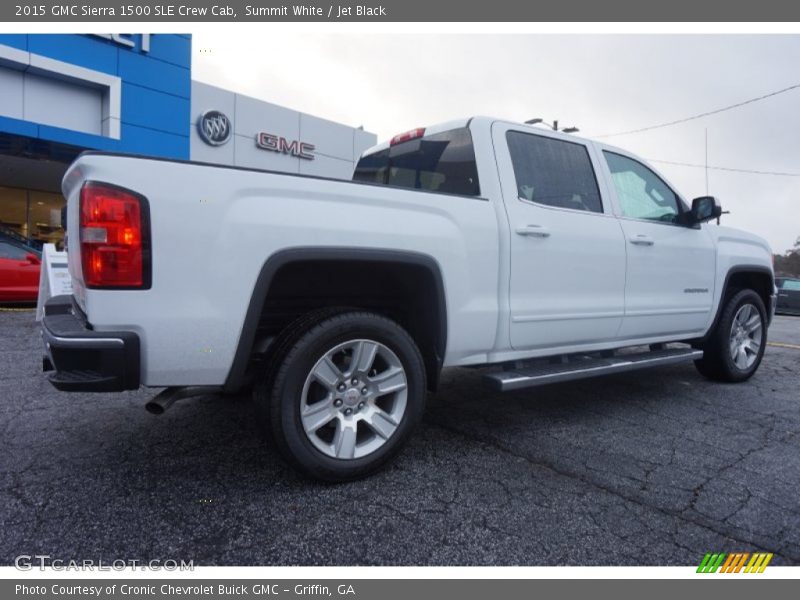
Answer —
540 256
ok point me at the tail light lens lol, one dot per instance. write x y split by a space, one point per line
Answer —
115 237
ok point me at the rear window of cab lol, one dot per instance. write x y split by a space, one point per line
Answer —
442 162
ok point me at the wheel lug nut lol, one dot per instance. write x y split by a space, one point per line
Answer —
354 381
364 390
360 405
348 412
337 402
341 387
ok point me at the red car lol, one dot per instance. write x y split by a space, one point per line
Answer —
19 273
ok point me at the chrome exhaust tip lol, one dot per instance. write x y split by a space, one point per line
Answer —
161 402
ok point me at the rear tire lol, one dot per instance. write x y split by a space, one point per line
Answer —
735 347
343 394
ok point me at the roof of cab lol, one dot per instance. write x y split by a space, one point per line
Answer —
479 120
430 129
487 122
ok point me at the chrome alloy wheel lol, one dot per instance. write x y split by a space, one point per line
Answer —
747 334
354 399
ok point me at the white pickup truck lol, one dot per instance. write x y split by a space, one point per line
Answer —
539 255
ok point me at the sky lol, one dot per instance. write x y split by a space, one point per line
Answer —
602 84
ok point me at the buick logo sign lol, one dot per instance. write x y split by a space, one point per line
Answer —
214 128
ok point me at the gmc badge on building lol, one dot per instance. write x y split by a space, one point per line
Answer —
276 143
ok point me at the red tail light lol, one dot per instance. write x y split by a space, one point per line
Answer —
115 237
408 135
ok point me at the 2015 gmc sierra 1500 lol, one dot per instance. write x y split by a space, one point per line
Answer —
538 255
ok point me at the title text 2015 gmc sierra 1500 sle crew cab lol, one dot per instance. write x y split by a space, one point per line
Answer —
538 255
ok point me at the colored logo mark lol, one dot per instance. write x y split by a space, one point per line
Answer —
734 563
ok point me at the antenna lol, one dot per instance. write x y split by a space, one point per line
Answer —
553 125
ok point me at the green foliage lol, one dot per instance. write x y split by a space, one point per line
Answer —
788 264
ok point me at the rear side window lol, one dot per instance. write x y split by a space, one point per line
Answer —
791 284
553 172
442 162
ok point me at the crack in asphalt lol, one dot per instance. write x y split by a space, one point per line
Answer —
615 492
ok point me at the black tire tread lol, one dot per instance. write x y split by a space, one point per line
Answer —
715 364
291 333
286 351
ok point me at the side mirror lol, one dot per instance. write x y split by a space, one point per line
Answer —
33 259
704 208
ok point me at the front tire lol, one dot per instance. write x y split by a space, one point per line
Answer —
736 346
345 395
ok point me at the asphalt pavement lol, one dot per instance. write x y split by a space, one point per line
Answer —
650 468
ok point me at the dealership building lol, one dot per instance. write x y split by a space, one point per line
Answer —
61 94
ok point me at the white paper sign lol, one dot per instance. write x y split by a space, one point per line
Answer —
54 278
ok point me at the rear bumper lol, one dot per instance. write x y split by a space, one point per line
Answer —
84 360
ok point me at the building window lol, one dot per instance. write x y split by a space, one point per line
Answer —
31 214
14 210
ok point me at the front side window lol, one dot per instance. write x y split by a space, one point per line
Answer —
440 162
13 252
642 194
553 172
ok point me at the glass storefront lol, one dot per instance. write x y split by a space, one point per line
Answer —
34 215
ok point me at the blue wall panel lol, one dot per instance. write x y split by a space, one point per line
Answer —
175 49
156 90
15 40
156 110
154 74
87 51
77 138
140 140
19 127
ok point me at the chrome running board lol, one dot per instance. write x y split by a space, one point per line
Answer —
584 366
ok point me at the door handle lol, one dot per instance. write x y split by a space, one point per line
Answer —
784 295
642 240
534 231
